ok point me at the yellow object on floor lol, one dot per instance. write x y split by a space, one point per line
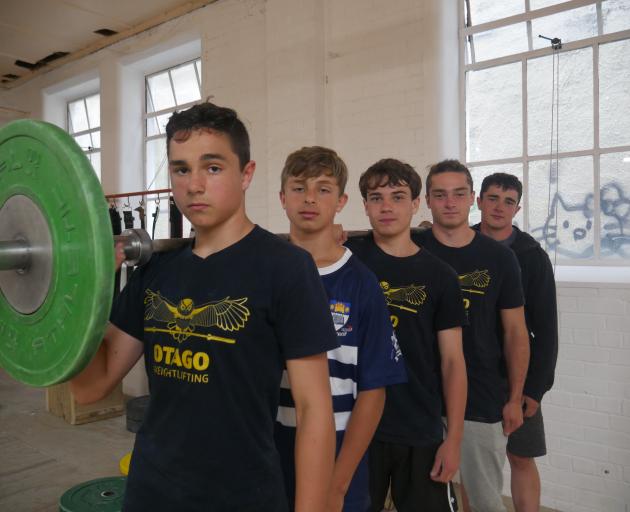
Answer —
124 464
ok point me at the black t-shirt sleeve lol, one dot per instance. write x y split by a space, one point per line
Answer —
128 310
511 292
301 315
450 310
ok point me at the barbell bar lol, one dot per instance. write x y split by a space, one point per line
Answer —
57 260
138 247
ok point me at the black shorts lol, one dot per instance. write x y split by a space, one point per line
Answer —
406 468
529 439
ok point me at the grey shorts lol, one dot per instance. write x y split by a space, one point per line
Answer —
529 439
481 467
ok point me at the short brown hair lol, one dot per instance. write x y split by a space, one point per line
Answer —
449 166
390 172
314 161
504 181
208 116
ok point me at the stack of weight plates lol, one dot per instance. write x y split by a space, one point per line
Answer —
136 408
102 495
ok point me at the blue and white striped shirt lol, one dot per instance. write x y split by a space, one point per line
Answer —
368 357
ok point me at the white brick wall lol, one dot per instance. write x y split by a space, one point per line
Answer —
587 413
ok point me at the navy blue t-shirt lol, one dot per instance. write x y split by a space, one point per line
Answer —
216 333
490 278
423 297
368 357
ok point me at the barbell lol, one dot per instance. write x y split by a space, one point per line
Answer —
57 262
56 254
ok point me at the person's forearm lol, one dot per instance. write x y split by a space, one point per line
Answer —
364 419
455 386
516 343
314 458
86 386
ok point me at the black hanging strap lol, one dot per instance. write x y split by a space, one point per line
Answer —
175 218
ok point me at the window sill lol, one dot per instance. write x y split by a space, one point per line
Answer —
614 276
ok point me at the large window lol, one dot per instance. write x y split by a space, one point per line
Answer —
570 144
173 89
84 124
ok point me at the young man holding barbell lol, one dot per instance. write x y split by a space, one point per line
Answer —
216 320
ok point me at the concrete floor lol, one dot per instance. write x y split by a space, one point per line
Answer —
42 456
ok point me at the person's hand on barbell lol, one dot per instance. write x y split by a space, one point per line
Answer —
120 255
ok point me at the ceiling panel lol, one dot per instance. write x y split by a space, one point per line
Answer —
32 29
125 11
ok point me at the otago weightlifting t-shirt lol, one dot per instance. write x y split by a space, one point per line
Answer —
490 279
368 357
423 297
216 333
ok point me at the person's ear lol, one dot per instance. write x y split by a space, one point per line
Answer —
247 175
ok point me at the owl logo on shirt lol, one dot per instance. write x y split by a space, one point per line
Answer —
475 280
182 319
412 294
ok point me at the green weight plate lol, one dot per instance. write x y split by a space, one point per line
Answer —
100 495
42 163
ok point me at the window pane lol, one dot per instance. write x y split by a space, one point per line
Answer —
615 205
569 26
96 139
95 160
482 11
614 94
84 141
501 42
562 219
185 84
159 89
479 173
494 113
575 111
539 4
198 66
156 165
77 116
152 126
157 125
94 110
468 52
616 15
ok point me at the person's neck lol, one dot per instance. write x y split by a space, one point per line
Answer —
212 240
400 245
322 245
497 234
459 236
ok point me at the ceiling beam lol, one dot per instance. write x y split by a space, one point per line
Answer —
169 15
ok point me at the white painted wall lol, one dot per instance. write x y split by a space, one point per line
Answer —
372 80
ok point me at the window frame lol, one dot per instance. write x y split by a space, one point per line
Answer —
90 150
146 116
594 42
